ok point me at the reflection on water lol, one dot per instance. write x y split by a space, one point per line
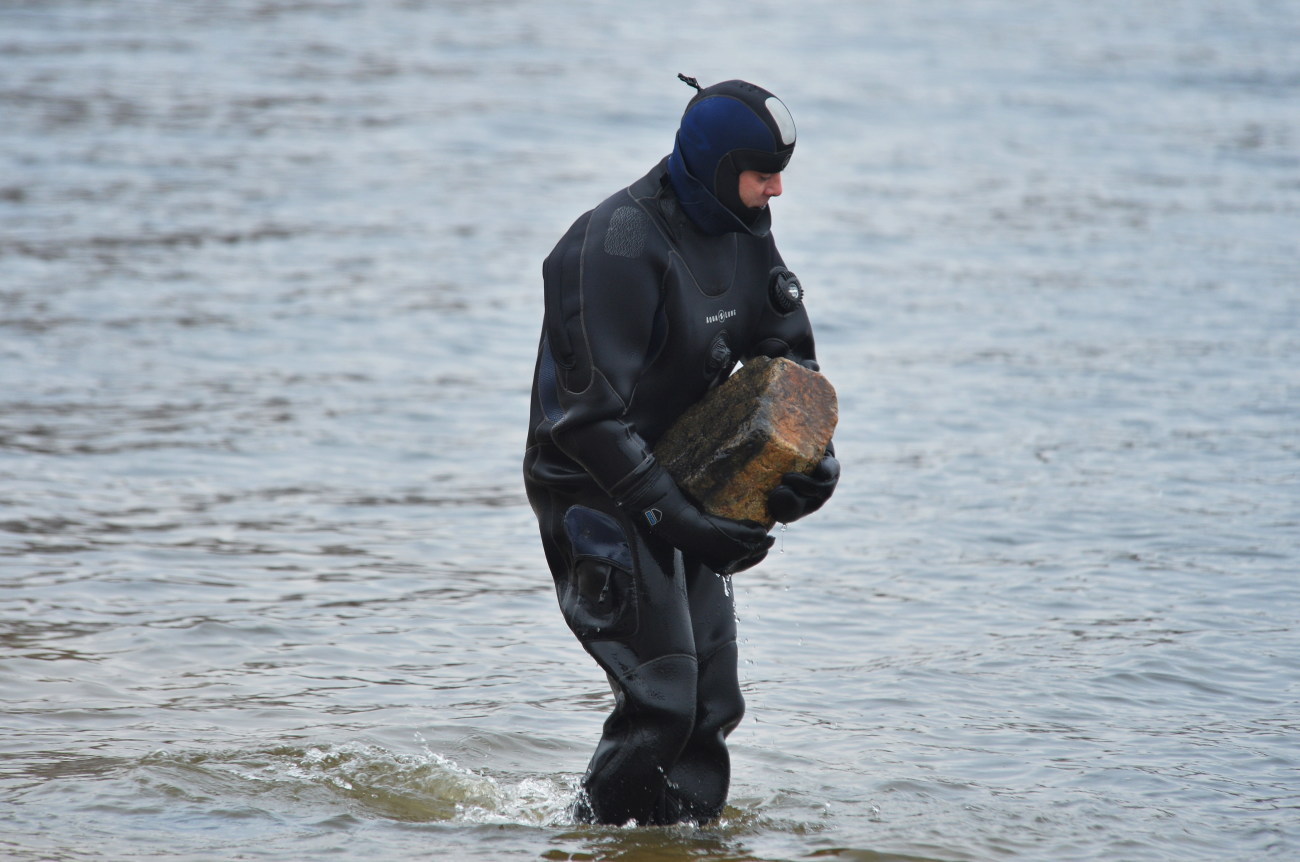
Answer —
269 292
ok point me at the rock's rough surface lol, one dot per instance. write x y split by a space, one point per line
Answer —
729 451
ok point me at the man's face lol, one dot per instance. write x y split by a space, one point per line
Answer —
757 188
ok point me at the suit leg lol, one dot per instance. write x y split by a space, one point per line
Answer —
701 776
624 596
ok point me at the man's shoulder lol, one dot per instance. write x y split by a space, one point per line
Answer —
646 193
631 222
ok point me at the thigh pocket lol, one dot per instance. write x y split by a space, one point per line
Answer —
599 598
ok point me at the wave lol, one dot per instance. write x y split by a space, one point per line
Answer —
374 782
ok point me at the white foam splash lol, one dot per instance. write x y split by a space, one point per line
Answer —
431 786
415 787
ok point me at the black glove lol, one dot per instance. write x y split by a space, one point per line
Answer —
801 494
724 545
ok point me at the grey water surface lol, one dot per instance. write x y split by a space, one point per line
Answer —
269 296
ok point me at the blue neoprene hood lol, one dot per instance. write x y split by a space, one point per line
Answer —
728 128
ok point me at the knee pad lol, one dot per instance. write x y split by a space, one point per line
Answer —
660 697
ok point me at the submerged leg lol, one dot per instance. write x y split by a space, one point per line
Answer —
627 779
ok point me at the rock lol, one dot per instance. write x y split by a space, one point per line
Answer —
729 451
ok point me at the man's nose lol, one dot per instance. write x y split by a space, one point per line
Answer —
774 186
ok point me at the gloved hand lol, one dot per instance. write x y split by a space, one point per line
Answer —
724 545
801 494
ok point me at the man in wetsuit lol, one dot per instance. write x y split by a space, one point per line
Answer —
651 298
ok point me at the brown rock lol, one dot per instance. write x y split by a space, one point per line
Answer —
729 451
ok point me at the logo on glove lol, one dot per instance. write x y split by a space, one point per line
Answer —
653 516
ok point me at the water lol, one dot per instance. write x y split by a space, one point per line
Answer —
269 293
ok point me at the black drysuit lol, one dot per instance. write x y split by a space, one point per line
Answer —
644 313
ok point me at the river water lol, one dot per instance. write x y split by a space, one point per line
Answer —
269 294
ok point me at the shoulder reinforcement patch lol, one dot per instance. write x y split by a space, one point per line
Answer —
625 236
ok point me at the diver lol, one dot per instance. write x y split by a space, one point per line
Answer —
651 299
